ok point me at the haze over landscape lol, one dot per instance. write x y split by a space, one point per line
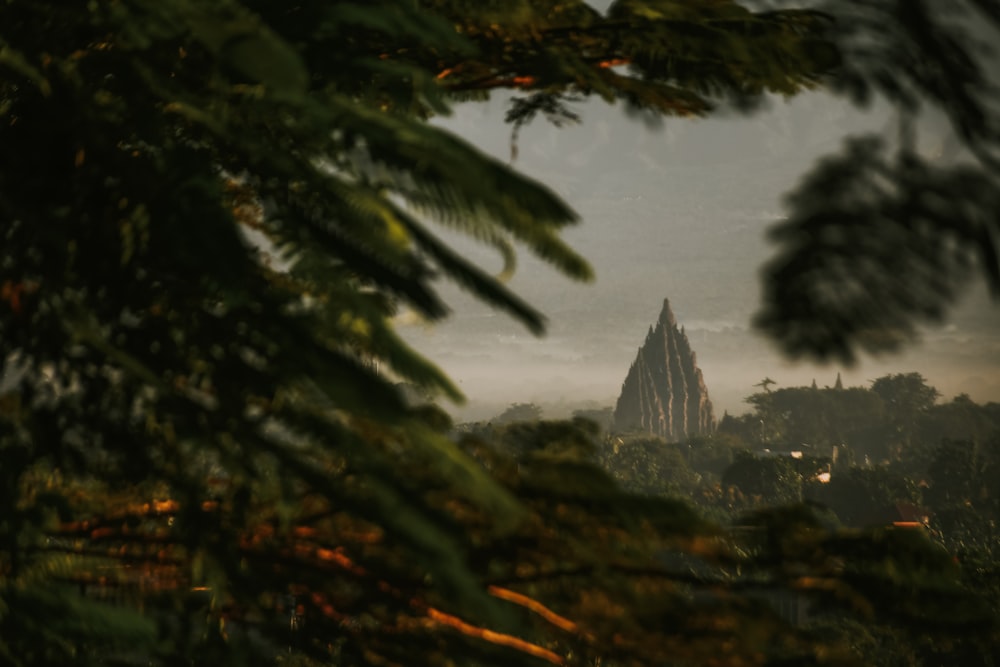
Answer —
232 262
679 212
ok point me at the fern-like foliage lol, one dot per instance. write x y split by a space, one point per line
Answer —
210 211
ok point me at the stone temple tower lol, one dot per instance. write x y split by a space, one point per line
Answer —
664 393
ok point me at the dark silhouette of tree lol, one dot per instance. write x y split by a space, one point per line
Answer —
745 428
765 384
959 419
211 211
519 412
866 497
603 417
880 238
764 481
906 397
965 505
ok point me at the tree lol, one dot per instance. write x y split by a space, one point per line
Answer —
768 421
649 465
964 501
519 412
959 419
962 495
210 212
905 394
804 415
906 398
764 481
710 455
858 420
603 417
745 428
955 474
816 420
765 384
862 497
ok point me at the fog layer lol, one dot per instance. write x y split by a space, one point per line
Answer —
680 212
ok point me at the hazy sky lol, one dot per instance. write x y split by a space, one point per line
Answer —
678 212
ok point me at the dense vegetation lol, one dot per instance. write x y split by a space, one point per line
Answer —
210 212
895 439
889 457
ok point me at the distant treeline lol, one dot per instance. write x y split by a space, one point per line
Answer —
869 455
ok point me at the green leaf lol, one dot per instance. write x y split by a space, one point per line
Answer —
16 61
246 43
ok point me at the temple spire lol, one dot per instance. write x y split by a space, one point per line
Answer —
667 315
664 393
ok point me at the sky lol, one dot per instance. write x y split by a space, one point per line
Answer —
679 212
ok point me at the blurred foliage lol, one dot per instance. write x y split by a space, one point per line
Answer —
215 448
518 412
603 417
881 238
871 644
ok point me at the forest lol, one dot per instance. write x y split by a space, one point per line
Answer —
856 452
212 215
884 458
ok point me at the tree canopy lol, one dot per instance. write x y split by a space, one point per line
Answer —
881 238
211 211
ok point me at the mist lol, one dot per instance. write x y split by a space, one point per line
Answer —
677 210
